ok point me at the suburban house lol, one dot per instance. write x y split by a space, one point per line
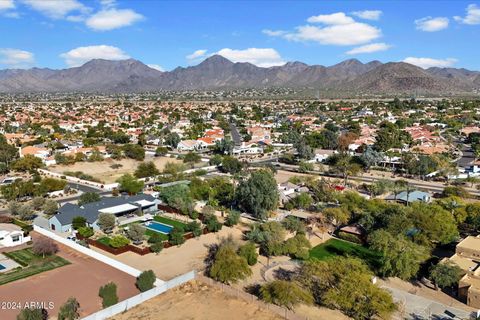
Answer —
12 235
188 145
288 191
407 197
118 206
467 257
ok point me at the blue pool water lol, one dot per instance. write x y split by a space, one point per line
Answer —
159 227
2 267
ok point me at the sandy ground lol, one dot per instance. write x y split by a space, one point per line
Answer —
80 279
198 301
102 170
175 261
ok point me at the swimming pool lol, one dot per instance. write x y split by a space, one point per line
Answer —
158 227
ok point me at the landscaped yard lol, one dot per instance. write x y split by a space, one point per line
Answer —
32 264
173 223
335 247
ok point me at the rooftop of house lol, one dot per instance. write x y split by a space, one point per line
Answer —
113 205
470 243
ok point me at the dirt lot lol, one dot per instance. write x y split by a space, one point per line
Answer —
80 279
175 261
103 170
198 301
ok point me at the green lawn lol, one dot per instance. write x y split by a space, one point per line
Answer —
104 240
173 223
32 264
335 247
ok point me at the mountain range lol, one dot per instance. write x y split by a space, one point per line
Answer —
350 77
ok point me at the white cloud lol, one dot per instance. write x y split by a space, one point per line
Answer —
430 24
6 4
78 56
274 33
472 17
16 58
342 35
56 9
332 19
261 57
426 63
369 48
339 29
109 19
368 14
156 67
197 54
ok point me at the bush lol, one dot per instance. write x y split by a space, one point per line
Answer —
85 232
212 224
136 232
146 280
50 207
233 218
249 252
37 202
118 241
78 222
195 228
108 293
285 293
69 310
33 314
176 236
88 197
156 247
155 238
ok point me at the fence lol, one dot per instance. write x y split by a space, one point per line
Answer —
283 312
89 252
139 298
101 186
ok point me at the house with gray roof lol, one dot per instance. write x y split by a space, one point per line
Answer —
407 197
118 206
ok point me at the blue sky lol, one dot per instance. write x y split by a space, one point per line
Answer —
167 34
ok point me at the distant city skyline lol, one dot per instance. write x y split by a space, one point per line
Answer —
166 34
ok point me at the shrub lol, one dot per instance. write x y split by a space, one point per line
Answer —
50 207
108 293
37 202
157 247
233 218
155 238
118 241
285 293
69 310
136 232
212 224
85 232
78 222
249 252
145 280
195 228
33 314
106 221
176 236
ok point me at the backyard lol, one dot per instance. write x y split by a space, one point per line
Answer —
31 264
336 247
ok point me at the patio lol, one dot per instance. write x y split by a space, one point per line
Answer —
7 264
134 218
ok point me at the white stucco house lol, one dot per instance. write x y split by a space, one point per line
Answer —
11 235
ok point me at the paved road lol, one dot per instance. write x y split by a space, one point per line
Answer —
432 186
416 307
467 155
